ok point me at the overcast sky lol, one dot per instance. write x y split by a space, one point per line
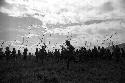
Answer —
85 20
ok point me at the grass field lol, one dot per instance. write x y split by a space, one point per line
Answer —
29 71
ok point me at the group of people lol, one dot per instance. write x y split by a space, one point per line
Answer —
68 53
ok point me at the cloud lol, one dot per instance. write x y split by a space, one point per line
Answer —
107 7
118 5
63 12
105 20
90 19
56 11
122 4
3 3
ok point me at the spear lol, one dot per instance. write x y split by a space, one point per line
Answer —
23 41
40 39
49 42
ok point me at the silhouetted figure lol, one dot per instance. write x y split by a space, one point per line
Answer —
109 54
117 53
37 54
95 52
49 57
41 55
70 50
122 53
30 55
7 53
14 54
57 55
99 49
63 53
19 54
25 54
81 54
89 54
102 53
1 53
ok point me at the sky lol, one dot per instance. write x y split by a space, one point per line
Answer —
24 23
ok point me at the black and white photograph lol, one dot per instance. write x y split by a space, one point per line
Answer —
62 41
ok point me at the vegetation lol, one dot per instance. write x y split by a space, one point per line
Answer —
97 65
